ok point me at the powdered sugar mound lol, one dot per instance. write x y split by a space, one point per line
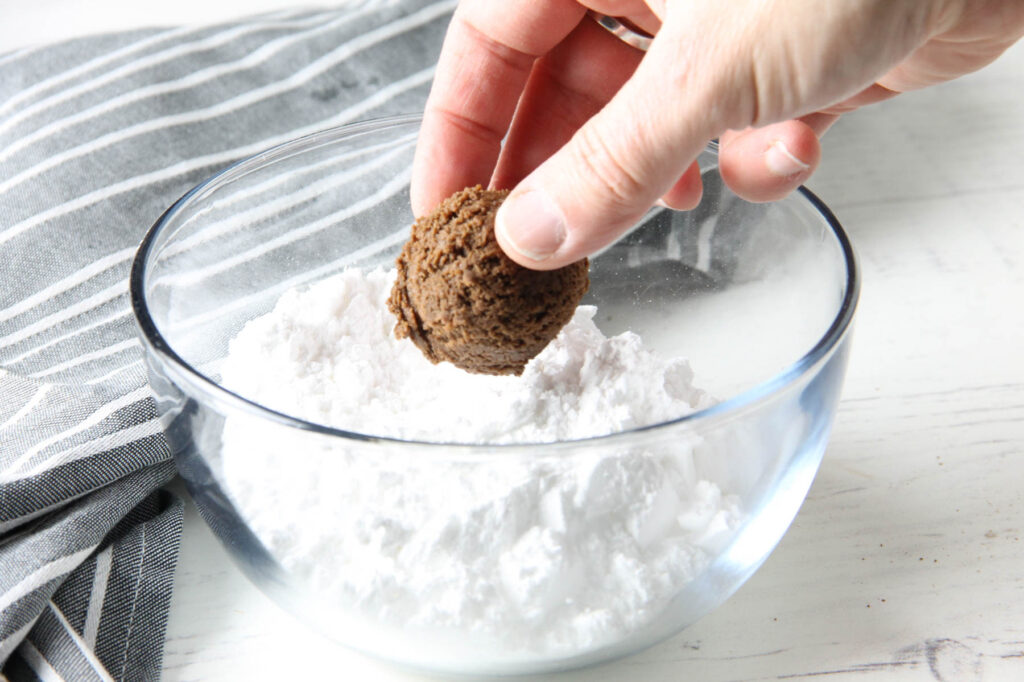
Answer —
558 553
327 354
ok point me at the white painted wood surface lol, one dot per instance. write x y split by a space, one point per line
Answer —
906 562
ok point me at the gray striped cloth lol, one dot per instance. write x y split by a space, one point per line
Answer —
97 137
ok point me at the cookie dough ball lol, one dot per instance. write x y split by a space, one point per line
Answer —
461 299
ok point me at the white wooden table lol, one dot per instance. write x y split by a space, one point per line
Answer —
907 561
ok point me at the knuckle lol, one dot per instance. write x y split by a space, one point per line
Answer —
604 168
479 130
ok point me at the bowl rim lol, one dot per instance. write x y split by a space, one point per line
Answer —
154 342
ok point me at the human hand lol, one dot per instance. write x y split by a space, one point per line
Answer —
598 131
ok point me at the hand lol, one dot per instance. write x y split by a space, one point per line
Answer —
598 131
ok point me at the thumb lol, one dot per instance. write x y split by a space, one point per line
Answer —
603 180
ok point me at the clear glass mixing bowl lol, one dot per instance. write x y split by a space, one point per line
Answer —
759 297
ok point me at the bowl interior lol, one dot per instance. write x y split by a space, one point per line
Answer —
744 291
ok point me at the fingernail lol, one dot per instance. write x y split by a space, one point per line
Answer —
781 162
531 223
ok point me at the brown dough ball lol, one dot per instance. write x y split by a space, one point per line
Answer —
461 299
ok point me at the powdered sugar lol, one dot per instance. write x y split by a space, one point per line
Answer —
558 553
327 354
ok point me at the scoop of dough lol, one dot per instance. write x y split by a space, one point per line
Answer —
461 299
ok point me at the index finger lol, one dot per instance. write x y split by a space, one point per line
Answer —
485 61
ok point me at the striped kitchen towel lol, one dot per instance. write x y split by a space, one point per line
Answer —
97 137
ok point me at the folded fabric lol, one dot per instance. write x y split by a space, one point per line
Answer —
97 137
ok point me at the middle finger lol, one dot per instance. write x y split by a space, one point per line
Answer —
565 88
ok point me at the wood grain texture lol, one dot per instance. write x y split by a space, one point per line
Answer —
906 562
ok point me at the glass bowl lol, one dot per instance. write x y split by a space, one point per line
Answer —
758 297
